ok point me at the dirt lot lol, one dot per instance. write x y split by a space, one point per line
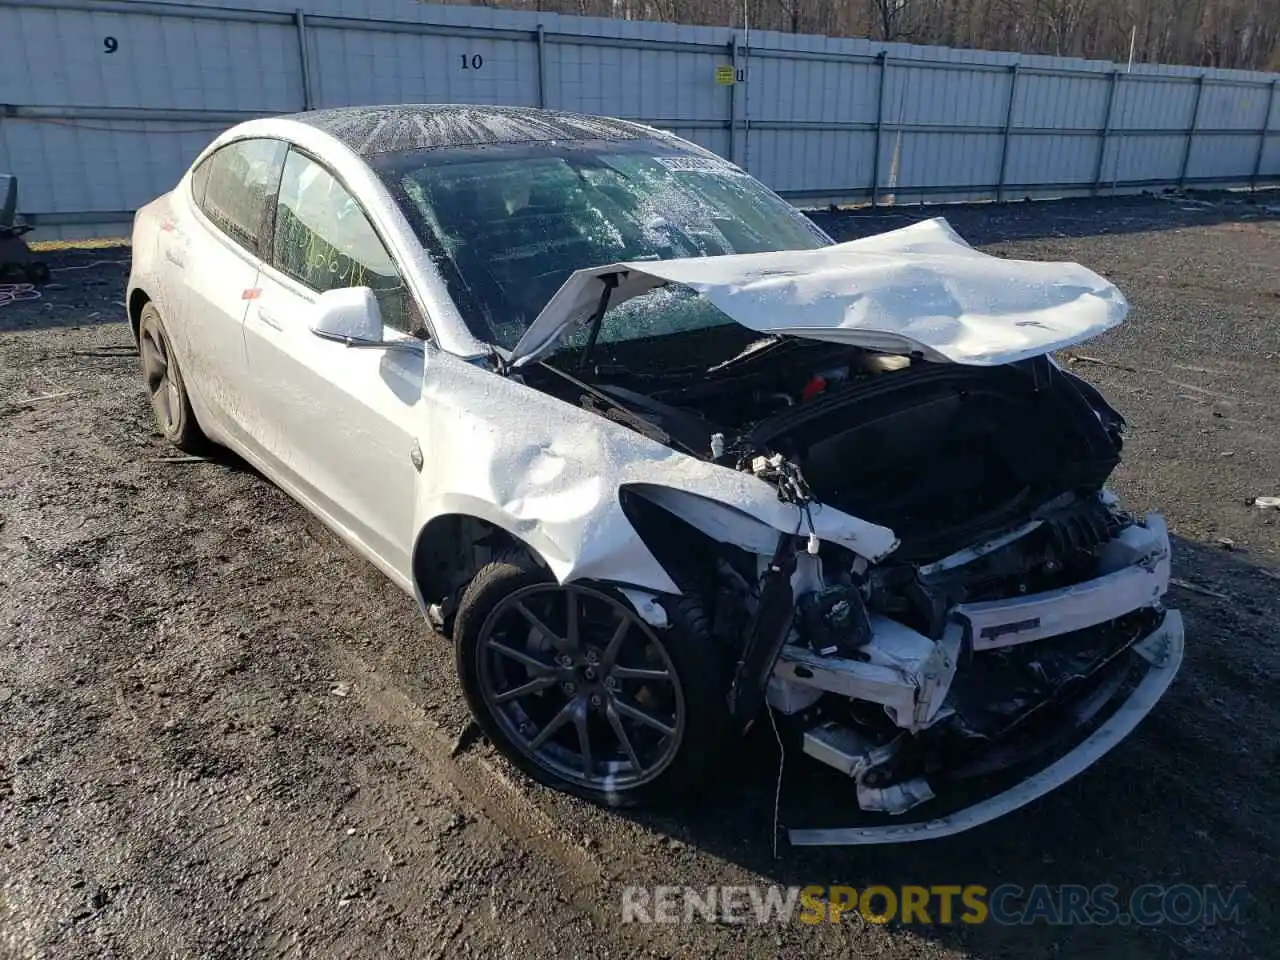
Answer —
222 734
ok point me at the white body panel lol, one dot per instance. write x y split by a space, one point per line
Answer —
917 289
339 424
550 473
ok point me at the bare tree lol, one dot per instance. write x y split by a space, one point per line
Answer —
791 8
889 16
1061 20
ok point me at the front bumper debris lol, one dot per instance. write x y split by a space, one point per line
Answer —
1161 651
1141 582
1012 687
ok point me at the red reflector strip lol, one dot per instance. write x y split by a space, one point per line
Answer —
251 294
813 388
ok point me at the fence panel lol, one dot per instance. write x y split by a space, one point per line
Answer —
107 101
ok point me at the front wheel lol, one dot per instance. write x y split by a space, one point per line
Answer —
576 690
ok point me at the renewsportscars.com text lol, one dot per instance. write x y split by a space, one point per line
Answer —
1007 904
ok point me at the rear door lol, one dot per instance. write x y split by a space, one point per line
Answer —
340 424
214 252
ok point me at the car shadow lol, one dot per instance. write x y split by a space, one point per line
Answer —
1191 797
224 457
993 223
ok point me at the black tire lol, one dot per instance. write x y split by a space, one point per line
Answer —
166 389
702 677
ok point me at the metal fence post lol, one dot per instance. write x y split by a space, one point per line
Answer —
1105 133
1262 136
883 57
541 38
1008 126
304 59
733 100
1191 132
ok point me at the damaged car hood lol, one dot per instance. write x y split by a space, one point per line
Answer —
917 289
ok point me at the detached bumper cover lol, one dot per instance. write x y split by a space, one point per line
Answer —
1161 649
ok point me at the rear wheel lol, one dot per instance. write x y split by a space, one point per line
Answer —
165 387
575 689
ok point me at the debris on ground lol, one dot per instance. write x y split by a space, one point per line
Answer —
1098 361
1196 588
111 352
469 735
183 458
28 403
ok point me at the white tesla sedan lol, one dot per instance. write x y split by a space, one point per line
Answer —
658 455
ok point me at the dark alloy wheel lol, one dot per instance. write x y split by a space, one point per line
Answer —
165 387
594 699
578 691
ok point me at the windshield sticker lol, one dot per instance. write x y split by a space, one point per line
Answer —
685 164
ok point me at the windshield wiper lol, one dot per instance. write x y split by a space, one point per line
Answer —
752 350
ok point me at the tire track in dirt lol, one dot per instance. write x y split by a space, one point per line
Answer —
477 780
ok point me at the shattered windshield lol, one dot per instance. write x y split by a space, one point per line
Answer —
508 225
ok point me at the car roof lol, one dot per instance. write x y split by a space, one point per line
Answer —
372 130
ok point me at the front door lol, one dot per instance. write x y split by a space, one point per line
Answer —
340 424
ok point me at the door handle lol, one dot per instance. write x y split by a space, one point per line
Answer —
266 317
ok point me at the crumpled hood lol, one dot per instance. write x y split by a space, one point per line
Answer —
920 288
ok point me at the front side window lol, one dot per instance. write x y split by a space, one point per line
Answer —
324 240
235 188
508 225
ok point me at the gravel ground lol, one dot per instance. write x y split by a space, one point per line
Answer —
224 735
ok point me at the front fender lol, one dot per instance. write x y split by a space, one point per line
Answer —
593 541
549 473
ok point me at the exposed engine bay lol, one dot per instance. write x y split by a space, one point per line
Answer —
866 431
1013 615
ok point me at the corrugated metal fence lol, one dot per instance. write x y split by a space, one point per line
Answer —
104 102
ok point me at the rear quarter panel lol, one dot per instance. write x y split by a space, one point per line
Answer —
145 274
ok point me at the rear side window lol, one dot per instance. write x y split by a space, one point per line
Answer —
200 180
236 189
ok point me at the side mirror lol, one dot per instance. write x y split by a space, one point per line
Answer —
350 315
